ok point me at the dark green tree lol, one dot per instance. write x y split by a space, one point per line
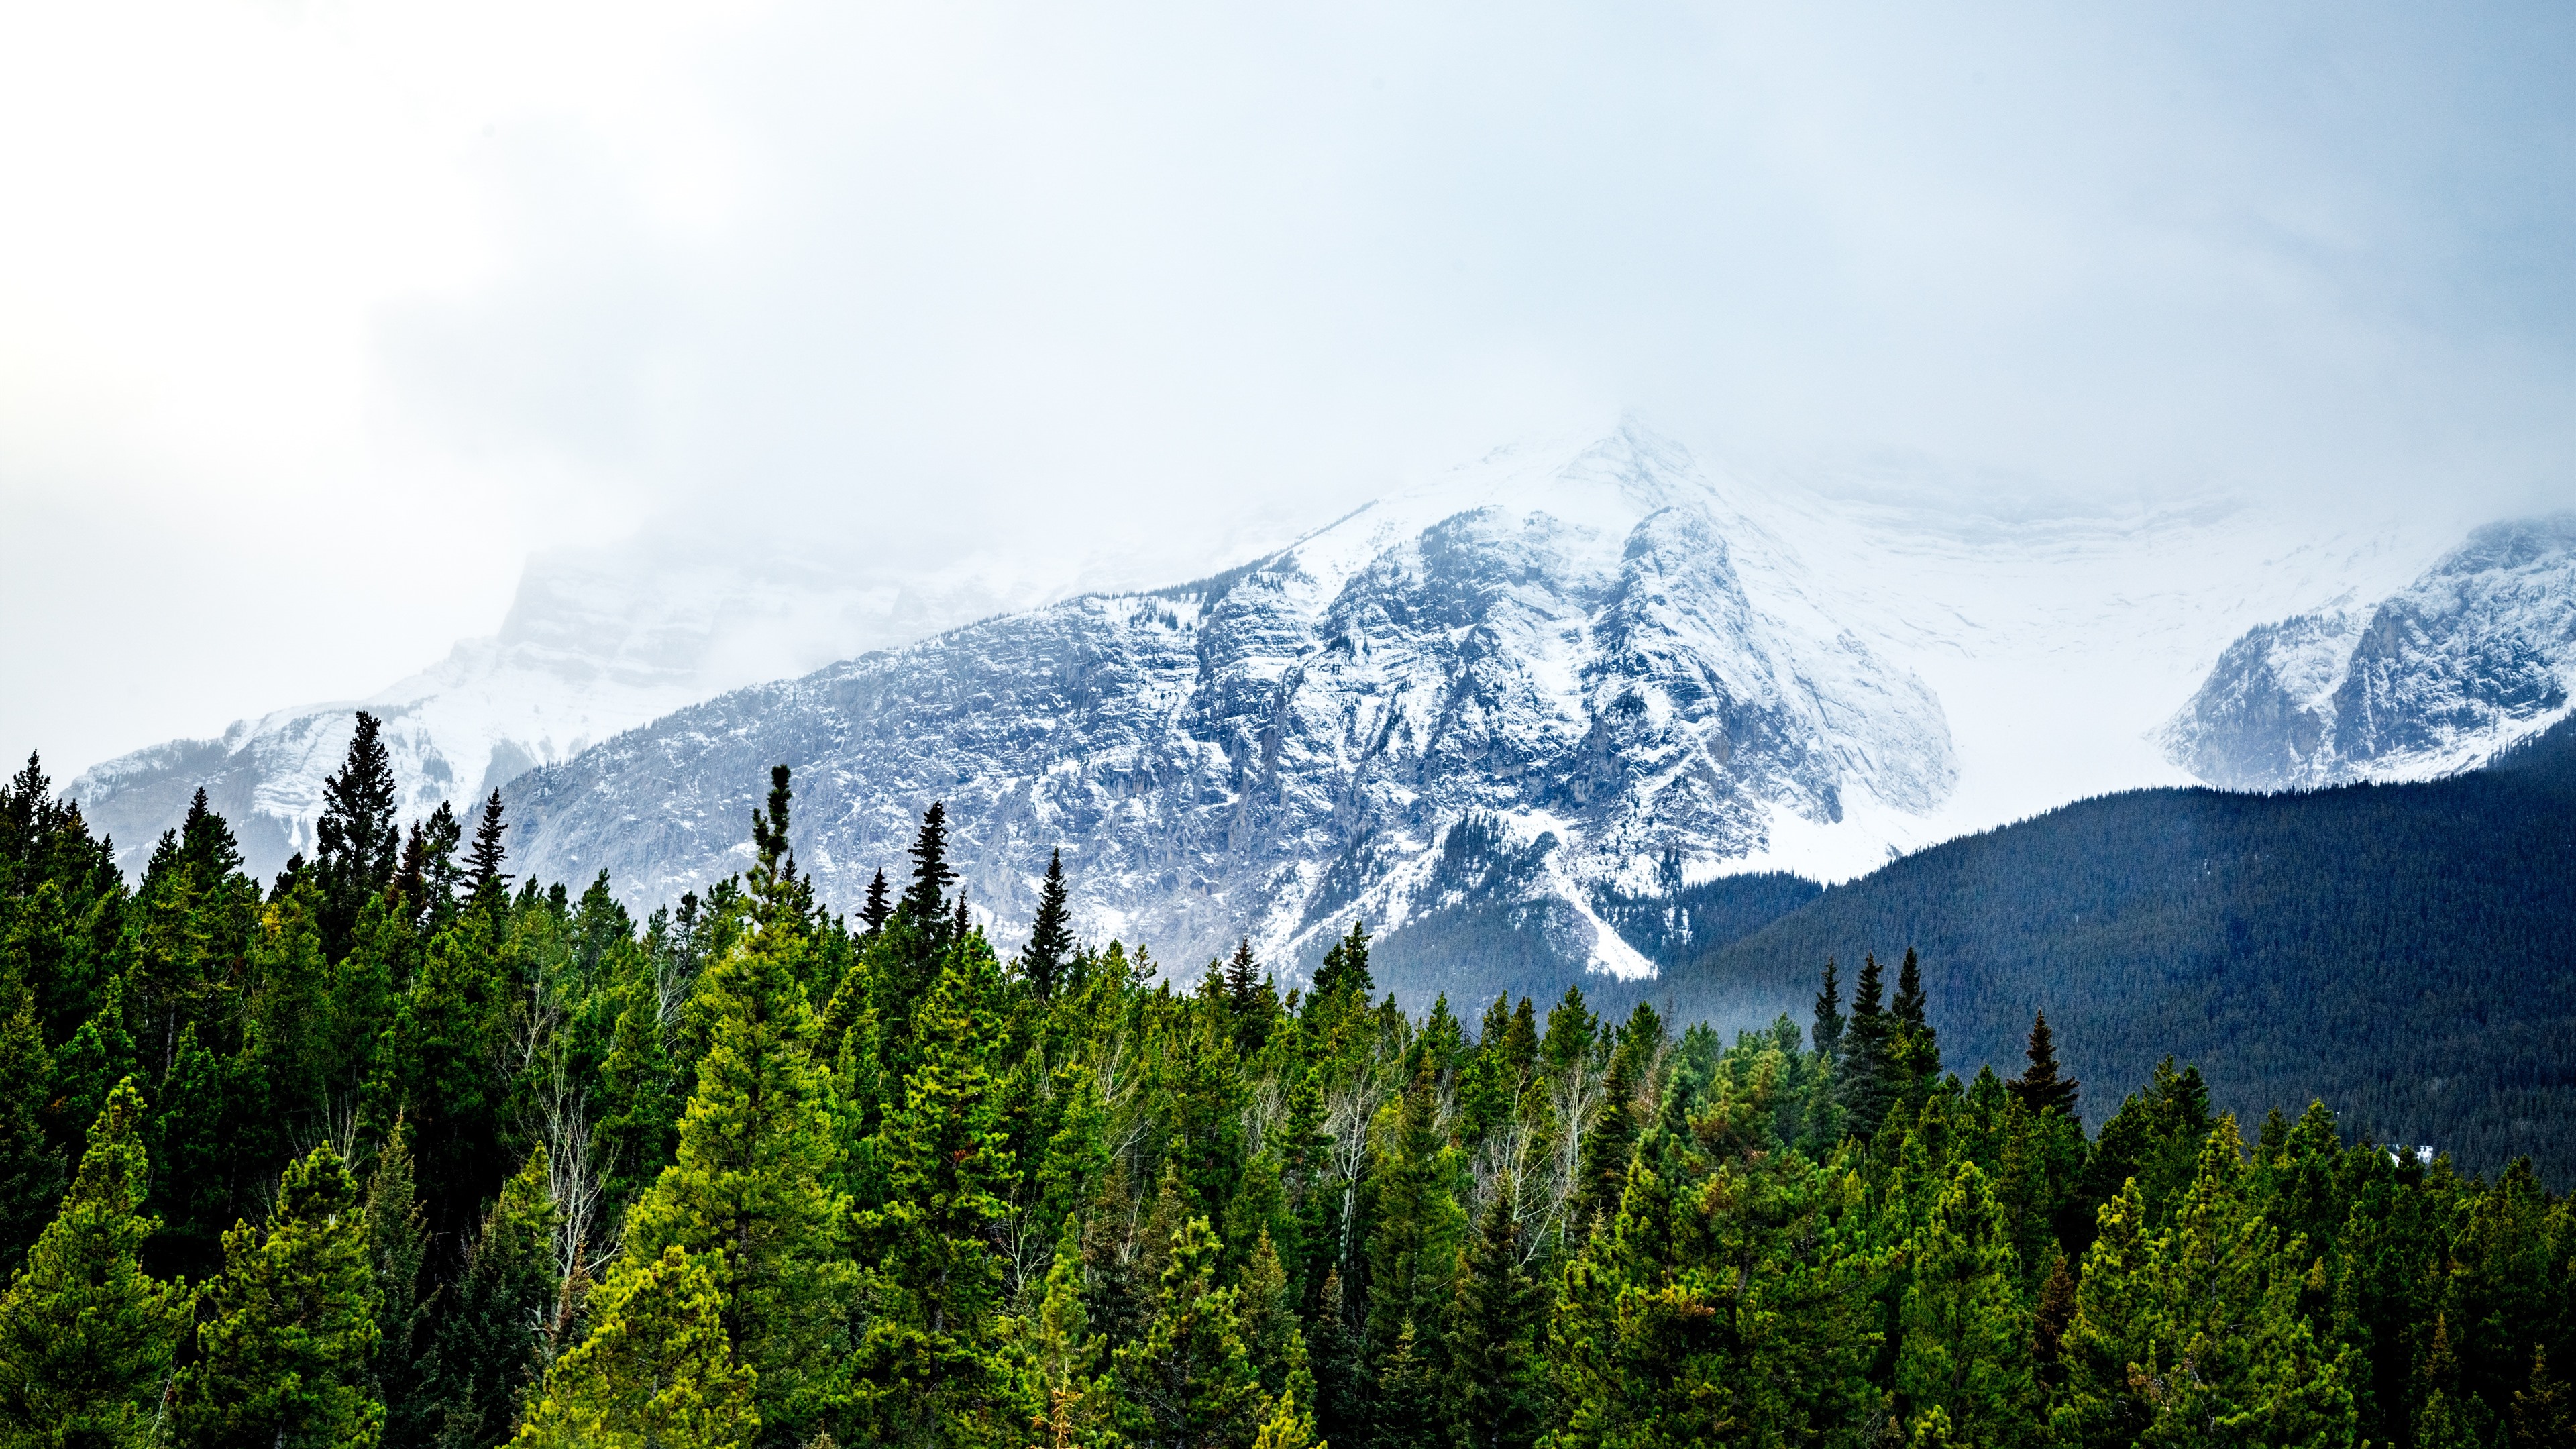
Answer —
489 1335
1189 1383
289 1331
86 1338
2042 1086
1050 947
487 884
357 842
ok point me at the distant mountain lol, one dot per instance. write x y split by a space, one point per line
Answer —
2475 654
1614 669
595 644
1567 648
2398 951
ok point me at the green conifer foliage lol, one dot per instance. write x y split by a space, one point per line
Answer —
488 884
397 1248
751 1196
1494 1386
1189 1383
1966 1334
656 1371
2041 1086
191 1192
1827 1034
358 841
1050 948
86 1339
1867 1041
31 1166
447 1034
288 1334
489 1336
933 1277
89 1066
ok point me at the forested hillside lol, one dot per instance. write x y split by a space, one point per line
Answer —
2401 952
396 1150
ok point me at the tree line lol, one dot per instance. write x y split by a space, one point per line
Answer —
399 1151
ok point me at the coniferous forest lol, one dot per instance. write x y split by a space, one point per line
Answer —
400 1150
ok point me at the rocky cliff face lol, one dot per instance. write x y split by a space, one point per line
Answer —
2477 653
1564 651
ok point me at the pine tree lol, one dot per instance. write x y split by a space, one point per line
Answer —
1496 1327
933 1277
2040 1087
1189 1382
1867 1040
191 1193
397 1248
927 897
1828 1033
490 885
86 1339
488 1338
878 908
1050 947
781 900
656 1371
282 1355
751 1196
357 839
1966 1345
31 1166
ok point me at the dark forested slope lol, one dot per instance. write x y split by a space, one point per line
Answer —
2402 952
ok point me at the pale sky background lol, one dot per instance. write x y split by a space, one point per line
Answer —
316 320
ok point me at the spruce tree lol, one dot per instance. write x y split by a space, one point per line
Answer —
751 1196
31 1166
1494 1385
1050 947
879 908
397 1250
656 1371
86 1339
926 899
1966 1337
283 1351
487 883
357 840
1827 1035
191 1192
1189 1382
2041 1087
933 1277
488 1336
1866 1041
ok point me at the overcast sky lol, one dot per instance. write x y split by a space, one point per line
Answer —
317 319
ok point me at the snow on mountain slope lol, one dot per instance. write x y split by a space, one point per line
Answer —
1623 667
2476 653
1567 647
593 645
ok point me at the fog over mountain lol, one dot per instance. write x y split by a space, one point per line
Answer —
290 404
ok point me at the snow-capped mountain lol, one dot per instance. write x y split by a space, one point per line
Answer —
593 645
2476 653
1568 648
1607 663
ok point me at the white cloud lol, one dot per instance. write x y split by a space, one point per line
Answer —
318 319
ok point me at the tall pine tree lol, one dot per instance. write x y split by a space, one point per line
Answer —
86 1339
357 841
